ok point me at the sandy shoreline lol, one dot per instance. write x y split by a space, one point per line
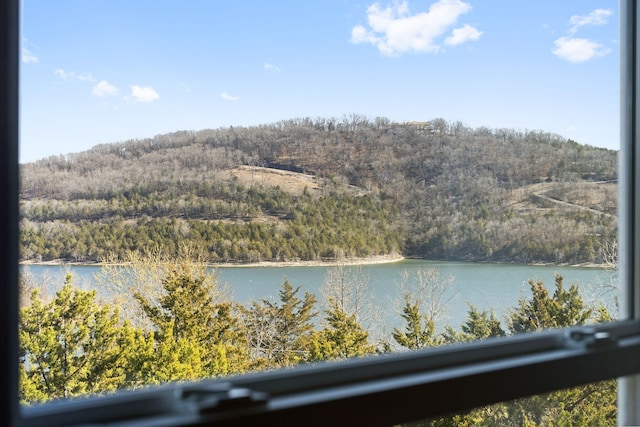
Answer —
377 259
371 260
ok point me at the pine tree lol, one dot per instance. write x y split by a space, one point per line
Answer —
72 346
419 330
194 335
280 332
591 404
342 337
563 309
478 325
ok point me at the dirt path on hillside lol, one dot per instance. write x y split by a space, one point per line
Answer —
572 205
521 198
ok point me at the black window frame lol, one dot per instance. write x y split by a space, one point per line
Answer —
381 390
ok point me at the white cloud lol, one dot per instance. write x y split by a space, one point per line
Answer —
463 35
66 75
578 50
86 78
144 93
104 88
595 17
271 67
394 30
227 97
63 74
28 57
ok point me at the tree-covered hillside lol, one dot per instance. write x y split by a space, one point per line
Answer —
431 189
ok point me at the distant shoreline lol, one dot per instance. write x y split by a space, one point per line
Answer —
370 260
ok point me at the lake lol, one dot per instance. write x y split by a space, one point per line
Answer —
486 286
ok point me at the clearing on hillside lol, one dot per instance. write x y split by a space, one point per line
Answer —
291 182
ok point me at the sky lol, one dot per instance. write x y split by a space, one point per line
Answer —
105 71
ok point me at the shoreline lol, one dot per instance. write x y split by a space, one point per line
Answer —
370 260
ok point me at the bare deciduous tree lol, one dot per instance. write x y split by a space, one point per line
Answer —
348 287
429 289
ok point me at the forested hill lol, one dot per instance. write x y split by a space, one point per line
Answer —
311 189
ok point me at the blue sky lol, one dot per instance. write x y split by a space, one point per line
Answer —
105 71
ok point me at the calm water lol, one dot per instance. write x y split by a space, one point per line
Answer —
487 286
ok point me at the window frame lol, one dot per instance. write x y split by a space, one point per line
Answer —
9 213
379 390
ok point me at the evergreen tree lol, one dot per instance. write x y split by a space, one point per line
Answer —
194 335
342 337
563 309
230 339
478 325
280 333
591 404
179 358
187 303
72 346
419 330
